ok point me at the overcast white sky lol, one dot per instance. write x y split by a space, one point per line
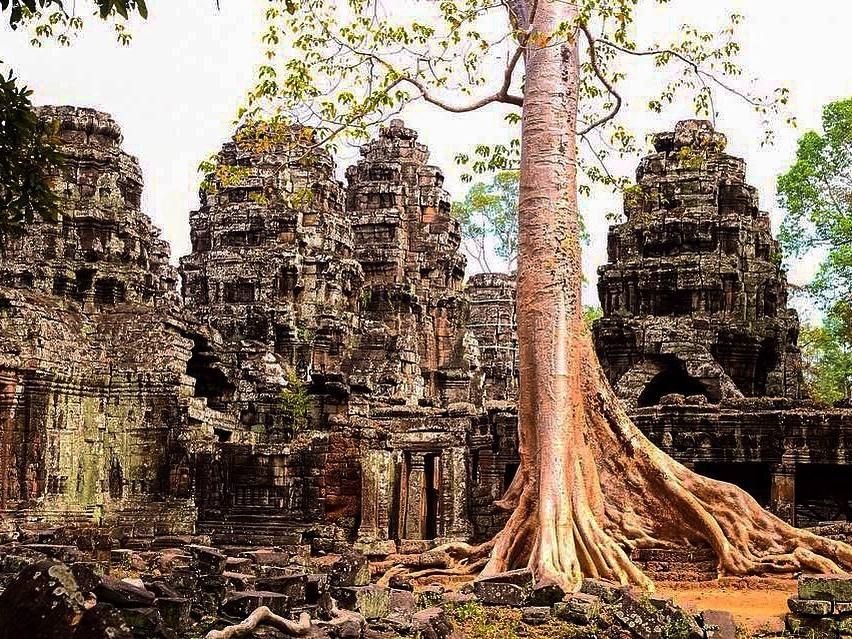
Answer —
175 90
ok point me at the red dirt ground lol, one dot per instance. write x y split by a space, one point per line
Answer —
758 604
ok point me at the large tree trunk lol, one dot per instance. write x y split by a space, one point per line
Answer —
590 486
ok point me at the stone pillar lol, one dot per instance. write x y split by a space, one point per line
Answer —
376 486
783 491
454 495
414 506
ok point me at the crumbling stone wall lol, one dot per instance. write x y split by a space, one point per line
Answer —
96 404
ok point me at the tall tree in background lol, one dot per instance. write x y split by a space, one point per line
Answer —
816 193
827 355
28 156
488 217
590 485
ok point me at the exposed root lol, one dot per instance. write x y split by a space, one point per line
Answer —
263 616
454 559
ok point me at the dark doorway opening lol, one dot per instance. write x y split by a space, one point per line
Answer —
432 494
753 477
823 493
674 379
210 381
509 473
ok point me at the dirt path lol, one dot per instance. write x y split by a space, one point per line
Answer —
757 604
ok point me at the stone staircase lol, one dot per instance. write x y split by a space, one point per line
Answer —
690 564
250 528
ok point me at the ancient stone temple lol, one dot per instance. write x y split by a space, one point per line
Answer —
694 298
326 378
97 403
697 338
352 300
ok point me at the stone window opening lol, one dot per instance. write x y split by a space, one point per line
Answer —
109 291
210 382
431 495
823 493
753 477
674 379
85 279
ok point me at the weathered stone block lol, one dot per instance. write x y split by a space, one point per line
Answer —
495 593
209 561
174 611
294 586
719 624
811 607
580 608
242 604
535 615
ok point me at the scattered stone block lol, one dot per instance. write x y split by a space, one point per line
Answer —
812 607
607 591
719 624
351 569
209 561
47 585
431 623
242 604
122 594
811 627
495 593
102 621
546 594
174 611
239 581
535 615
294 586
403 601
579 608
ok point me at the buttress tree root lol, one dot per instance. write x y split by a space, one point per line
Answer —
582 501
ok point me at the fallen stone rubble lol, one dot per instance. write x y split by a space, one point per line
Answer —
194 591
823 607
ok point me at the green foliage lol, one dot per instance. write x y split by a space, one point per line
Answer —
295 401
816 194
591 313
19 10
28 157
488 217
827 355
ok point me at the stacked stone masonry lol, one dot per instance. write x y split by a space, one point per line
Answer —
325 376
697 339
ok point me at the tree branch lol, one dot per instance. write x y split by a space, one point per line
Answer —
595 63
502 94
687 61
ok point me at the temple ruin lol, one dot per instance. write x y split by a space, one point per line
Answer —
325 377
697 339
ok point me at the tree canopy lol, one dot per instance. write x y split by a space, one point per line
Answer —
816 193
827 355
488 216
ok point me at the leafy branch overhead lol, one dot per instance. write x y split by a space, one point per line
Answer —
341 68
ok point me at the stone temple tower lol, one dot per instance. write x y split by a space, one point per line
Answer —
694 298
